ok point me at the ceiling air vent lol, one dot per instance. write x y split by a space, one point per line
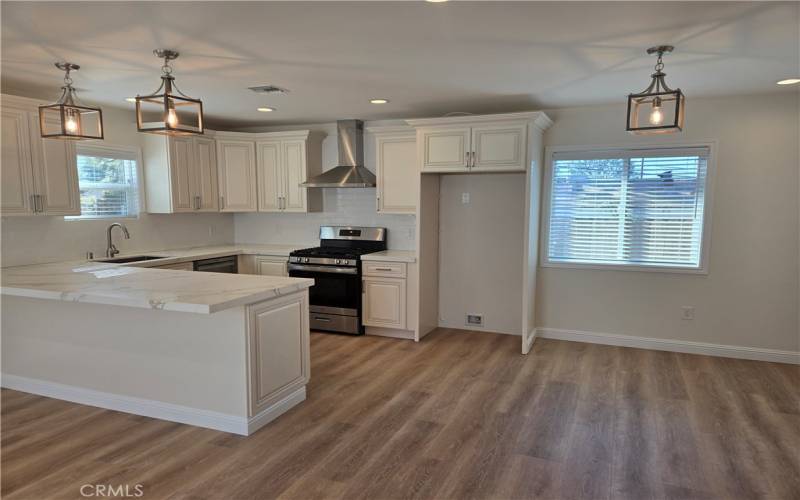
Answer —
268 89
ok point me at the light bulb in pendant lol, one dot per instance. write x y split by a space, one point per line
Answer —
172 118
656 115
72 121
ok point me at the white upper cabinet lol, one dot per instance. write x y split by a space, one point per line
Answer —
480 143
499 147
17 168
236 163
268 159
396 170
206 189
445 149
285 160
39 176
180 173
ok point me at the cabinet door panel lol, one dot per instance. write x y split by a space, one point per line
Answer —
277 345
397 175
16 172
499 147
205 163
182 174
236 161
385 302
445 149
294 173
267 266
269 178
56 177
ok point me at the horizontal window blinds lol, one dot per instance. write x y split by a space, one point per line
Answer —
108 185
628 207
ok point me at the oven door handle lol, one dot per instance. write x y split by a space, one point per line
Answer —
323 269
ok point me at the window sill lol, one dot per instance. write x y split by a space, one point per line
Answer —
627 267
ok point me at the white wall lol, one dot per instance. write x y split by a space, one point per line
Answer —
750 295
349 206
481 249
29 240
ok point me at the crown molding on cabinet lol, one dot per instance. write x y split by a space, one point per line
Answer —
539 119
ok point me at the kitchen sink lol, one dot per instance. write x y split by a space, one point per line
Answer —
132 258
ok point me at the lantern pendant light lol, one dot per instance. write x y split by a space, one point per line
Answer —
657 109
168 111
67 118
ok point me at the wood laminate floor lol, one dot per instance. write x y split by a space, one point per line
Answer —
459 415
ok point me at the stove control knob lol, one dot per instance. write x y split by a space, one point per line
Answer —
305 259
338 261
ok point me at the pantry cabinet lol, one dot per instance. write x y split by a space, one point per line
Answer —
284 160
397 176
180 173
471 146
39 176
236 164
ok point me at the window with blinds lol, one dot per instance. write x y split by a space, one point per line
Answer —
108 182
628 207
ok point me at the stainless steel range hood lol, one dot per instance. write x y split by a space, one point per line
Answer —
350 173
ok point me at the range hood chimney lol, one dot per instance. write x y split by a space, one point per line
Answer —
350 173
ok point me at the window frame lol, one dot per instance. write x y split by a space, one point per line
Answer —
112 149
705 240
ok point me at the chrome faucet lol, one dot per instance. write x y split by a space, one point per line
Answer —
111 250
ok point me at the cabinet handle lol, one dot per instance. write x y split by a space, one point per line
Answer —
39 206
33 203
221 202
384 269
467 158
472 163
378 203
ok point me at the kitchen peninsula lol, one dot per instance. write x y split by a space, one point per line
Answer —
224 351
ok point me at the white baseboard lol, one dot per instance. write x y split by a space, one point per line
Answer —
154 409
269 414
725 351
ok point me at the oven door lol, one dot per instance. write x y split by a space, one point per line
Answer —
335 298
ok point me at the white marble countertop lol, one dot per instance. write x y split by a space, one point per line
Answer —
391 256
124 285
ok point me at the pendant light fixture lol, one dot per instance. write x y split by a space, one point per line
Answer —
657 109
168 111
67 118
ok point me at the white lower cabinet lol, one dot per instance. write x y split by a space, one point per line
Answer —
384 302
278 359
271 266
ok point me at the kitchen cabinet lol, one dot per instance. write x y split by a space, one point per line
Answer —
39 176
396 172
480 146
285 160
384 294
236 164
271 266
180 173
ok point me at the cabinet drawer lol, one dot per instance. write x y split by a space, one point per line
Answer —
179 266
386 269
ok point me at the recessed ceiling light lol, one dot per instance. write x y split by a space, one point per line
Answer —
789 81
435 1
266 109
379 101
130 99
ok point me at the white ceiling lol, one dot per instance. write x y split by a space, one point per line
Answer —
427 58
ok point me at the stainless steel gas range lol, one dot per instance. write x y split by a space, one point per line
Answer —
335 267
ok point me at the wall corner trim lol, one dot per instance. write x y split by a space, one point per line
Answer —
684 346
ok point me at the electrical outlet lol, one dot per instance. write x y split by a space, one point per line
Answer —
464 198
687 312
474 319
